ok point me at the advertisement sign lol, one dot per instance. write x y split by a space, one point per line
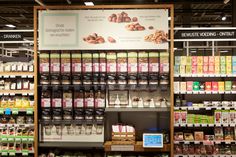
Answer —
206 34
13 36
103 29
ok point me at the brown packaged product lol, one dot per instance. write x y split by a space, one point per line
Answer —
111 62
79 98
87 62
76 62
89 99
121 62
209 149
185 149
132 62
143 61
153 62
191 149
178 149
44 62
198 135
100 98
67 99
102 62
197 149
95 62
65 62
203 150
55 62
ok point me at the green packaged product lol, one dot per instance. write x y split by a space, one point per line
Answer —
223 69
176 69
188 69
222 60
189 60
228 85
190 118
196 86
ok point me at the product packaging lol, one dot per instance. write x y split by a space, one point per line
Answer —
178 136
205 60
217 69
65 62
208 86
55 62
177 60
189 85
100 98
225 117
211 69
234 86
89 99
188 69
219 135
183 117
143 61
182 69
221 86
132 62
211 60
232 117
176 86
194 60
205 69
122 62
102 62
222 60
76 62
177 116
194 69
46 98
234 68
228 85
229 68
78 98
183 60
87 62
153 62
200 69
218 117
177 69
183 86
196 86
44 62
199 60
198 135
214 86
95 62
111 62
189 60
223 69
188 137
164 62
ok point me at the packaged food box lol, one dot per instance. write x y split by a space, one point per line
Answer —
208 86
183 117
223 69
229 68
219 135
232 115
182 69
217 69
228 59
194 69
228 85
205 69
164 62
189 85
102 62
211 69
225 117
217 60
183 60
196 86
176 69
234 59
183 86
234 86
234 68
198 135
194 60
65 62
44 62
215 86
205 60
87 62
199 69
211 60
176 86
177 60
188 69
222 60
95 62
218 117
55 62
221 86
199 60
177 117
189 60
190 118
111 62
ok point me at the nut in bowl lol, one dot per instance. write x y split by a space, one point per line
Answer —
94 39
134 27
121 18
158 37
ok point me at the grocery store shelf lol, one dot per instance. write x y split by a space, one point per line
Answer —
205 142
17 125
204 75
137 147
204 125
215 155
203 108
13 74
206 92
130 109
9 92
71 144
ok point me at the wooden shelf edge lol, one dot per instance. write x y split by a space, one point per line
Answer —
138 147
17 91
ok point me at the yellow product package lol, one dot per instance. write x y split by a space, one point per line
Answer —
18 102
25 102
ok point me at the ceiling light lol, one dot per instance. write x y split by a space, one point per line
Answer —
169 18
226 1
224 51
175 48
10 25
89 3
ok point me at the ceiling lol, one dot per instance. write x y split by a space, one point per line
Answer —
200 13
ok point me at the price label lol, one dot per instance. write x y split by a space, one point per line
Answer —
1 110
31 138
12 152
122 148
29 111
25 152
15 111
4 153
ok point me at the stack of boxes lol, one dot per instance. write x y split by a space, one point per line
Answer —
205 65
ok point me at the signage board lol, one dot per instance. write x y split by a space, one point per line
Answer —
103 29
13 36
152 140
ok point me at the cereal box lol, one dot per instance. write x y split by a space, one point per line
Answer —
205 60
183 60
228 59
188 69
199 69
221 86
217 69
199 60
218 117
205 69
182 69
222 60
189 60
194 69
217 60
208 86
229 68
176 69
211 60
189 85
228 85
194 60
176 86
177 60
214 86
223 69
183 86
211 69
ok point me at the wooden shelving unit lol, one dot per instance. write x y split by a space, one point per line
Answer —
138 147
